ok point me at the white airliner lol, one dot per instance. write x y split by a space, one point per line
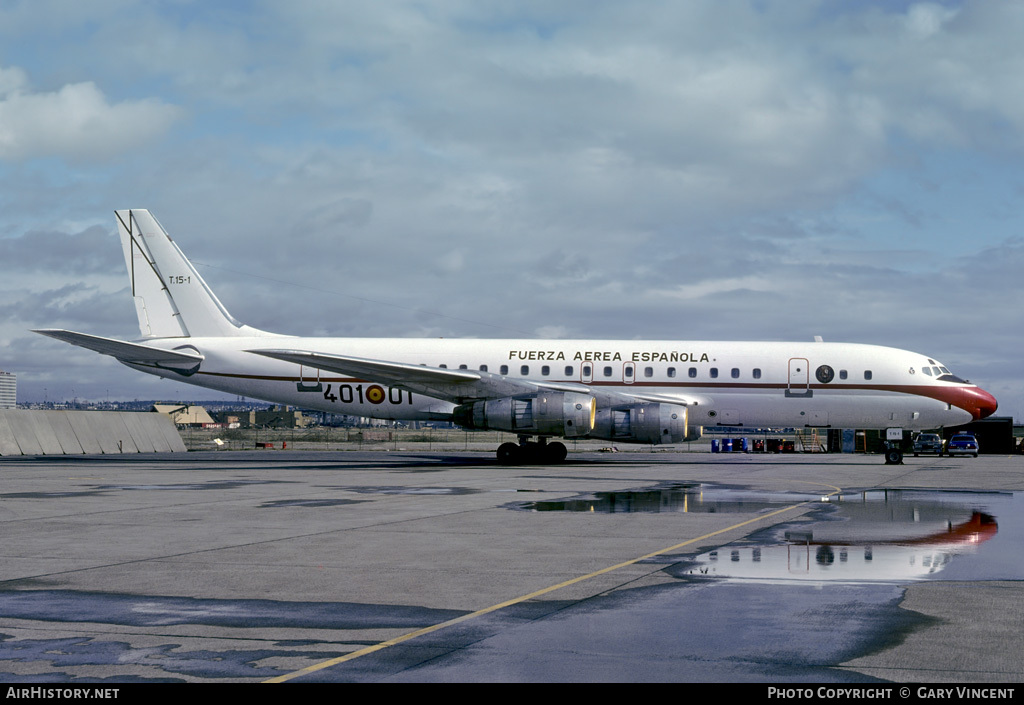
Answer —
622 391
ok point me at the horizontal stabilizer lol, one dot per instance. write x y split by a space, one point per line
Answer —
131 353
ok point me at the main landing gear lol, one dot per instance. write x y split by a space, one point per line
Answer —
531 452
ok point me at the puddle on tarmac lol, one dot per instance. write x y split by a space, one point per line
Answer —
410 490
309 503
675 497
874 536
892 536
212 485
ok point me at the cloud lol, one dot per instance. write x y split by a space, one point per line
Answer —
709 169
76 122
92 251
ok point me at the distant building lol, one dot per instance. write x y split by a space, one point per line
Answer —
279 417
8 390
186 414
274 417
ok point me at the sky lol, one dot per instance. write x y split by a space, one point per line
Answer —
698 170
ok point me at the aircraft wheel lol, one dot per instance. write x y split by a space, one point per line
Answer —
556 452
509 454
893 456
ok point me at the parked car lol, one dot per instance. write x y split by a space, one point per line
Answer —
928 443
962 444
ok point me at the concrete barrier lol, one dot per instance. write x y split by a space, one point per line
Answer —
31 432
8 443
61 426
83 432
24 433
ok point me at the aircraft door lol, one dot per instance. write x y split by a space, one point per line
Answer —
799 378
587 372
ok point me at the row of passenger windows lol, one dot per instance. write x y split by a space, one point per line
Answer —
607 371
628 372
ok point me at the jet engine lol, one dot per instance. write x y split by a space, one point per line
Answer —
568 414
645 423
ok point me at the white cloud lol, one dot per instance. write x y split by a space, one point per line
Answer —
718 168
76 122
926 19
12 80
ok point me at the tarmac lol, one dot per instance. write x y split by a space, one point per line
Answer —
379 566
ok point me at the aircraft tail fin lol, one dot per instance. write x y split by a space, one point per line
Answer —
171 299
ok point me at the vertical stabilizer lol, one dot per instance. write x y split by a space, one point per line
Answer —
171 299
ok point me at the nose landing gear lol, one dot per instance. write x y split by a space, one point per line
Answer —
893 455
894 446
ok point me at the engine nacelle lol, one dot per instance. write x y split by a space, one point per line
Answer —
644 423
567 414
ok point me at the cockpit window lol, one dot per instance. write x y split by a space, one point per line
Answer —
942 373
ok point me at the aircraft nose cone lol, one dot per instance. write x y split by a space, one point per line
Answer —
980 403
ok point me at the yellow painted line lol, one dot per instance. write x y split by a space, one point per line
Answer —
523 598
838 490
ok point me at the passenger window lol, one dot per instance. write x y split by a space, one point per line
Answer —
648 372
504 369
735 373
463 367
443 367
867 374
842 374
714 373
545 370
671 371
586 371
757 373
568 370
483 368
607 371
524 370
628 371
693 372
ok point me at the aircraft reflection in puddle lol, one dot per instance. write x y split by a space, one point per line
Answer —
668 498
896 540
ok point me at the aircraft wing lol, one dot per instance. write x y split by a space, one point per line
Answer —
458 386
684 399
131 353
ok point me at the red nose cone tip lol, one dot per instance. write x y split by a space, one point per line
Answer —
981 404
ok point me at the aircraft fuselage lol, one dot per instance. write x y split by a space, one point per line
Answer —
755 384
